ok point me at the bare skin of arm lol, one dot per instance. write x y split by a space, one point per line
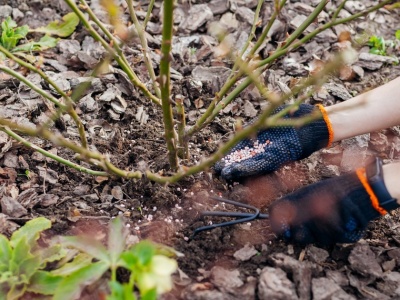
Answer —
374 110
391 176
371 111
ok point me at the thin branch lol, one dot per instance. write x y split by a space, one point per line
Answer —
183 150
307 22
165 83
30 84
145 48
267 29
121 59
52 155
93 157
69 108
336 13
147 18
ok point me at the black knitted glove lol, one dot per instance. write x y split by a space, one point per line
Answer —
336 210
274 147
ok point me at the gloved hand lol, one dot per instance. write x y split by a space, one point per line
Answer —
275 146
336 210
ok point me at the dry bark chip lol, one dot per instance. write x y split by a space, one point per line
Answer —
363 261
48 175
316 254
198 15
249 110
226 280
325 289
12 207
28 198
117 192
373 61
245 14
274 284
218 6
48 199
11 160
245 253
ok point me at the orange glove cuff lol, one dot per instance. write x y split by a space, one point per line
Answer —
328 123
374 200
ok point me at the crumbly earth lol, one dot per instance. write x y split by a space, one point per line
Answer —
238 262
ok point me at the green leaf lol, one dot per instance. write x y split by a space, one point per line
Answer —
21 252
88 245
72 286
28 267
21 32
397 34
61 29
8 24
144 251
121 291
149 295
80 261
10 36
43 282
31 230
116 240
5 276
50 254
375 51
5 251
44 43
128 260
16 292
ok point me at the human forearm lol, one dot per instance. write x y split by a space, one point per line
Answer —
391 176
371 111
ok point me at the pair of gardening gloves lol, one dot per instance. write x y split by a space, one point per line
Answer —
336 210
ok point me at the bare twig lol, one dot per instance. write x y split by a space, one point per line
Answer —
93 157
51 155
118 56
165 83
147 18
70 104
145 48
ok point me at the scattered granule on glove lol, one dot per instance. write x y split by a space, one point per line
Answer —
245 153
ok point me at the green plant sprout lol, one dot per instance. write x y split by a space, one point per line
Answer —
67 265
378 45
23 262
27 173
149 266
11 34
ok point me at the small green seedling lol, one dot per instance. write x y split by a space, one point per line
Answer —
377 45
23 262
149 265
27 173
77 262
11 34
62 29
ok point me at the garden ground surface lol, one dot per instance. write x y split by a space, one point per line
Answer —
239 262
